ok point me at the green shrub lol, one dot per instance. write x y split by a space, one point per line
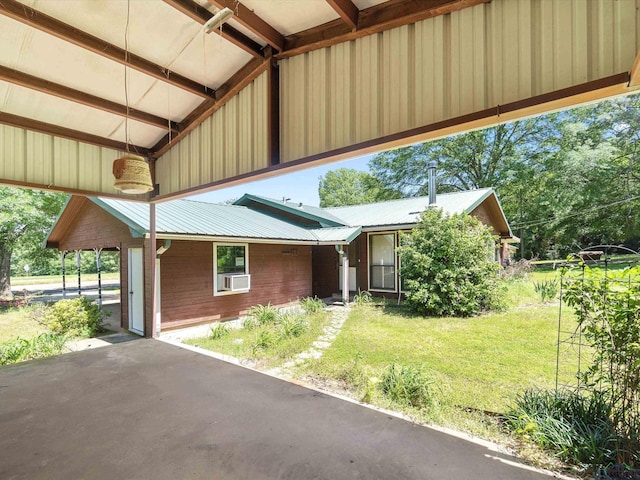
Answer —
218 331
362 297
21 349
446 266
291 326
408 386
576 427
262 315
546 289
79 317
311 304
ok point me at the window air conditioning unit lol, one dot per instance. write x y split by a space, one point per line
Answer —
237 283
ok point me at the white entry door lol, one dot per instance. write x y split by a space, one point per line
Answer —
136 291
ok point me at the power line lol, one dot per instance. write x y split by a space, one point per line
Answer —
534 223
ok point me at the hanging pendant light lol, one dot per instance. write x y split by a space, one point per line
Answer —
132 174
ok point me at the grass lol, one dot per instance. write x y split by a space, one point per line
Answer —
86 277
263 344
16 322
479 362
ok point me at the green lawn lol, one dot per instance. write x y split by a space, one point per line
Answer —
71 278
241 343
478 362
16 322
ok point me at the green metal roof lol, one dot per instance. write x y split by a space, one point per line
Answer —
322 216
191 218
406 211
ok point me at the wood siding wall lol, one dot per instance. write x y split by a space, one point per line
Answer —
84 226
186 278
325 270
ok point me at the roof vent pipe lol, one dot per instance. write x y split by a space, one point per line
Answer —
433 165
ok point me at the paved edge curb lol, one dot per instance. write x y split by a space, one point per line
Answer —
490 446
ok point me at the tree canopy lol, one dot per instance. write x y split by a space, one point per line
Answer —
25 218
566 180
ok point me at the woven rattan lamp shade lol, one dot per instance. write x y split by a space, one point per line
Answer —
132 174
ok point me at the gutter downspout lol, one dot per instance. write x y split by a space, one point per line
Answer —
433 165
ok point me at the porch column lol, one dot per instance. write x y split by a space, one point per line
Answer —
345 277
79 264
63 256
98 269
154 330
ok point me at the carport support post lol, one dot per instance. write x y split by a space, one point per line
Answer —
63 255
79 263
345 273
98 268
152 270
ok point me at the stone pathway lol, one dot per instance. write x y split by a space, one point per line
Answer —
339 314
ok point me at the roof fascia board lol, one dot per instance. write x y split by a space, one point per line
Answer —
270 241
55 223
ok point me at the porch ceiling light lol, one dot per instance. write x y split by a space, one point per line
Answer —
218 19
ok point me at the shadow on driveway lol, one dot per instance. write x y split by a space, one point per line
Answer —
149 410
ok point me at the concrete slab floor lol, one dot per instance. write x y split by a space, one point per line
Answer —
149 410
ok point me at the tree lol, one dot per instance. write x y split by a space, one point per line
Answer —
346 186
491 157
25 218
446 268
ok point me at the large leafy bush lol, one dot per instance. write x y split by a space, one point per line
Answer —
79 317
446 266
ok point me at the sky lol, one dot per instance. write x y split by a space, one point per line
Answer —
300 186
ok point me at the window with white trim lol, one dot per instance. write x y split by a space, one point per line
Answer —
231 268
382 262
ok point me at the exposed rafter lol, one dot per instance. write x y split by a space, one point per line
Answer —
60 91
201 15
228 90
634 74
372 20
58 131
29 16
347 11
253 22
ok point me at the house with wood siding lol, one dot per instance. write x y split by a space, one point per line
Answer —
214 261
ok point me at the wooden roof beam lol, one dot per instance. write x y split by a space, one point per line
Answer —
253 22
378 18
347 10
58 131
634 74
34 83
29 16
227 90
201 15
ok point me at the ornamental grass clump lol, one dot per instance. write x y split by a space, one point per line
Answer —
575 426
448 267
408 386
21 349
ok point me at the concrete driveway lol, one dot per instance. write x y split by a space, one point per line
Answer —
149 410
